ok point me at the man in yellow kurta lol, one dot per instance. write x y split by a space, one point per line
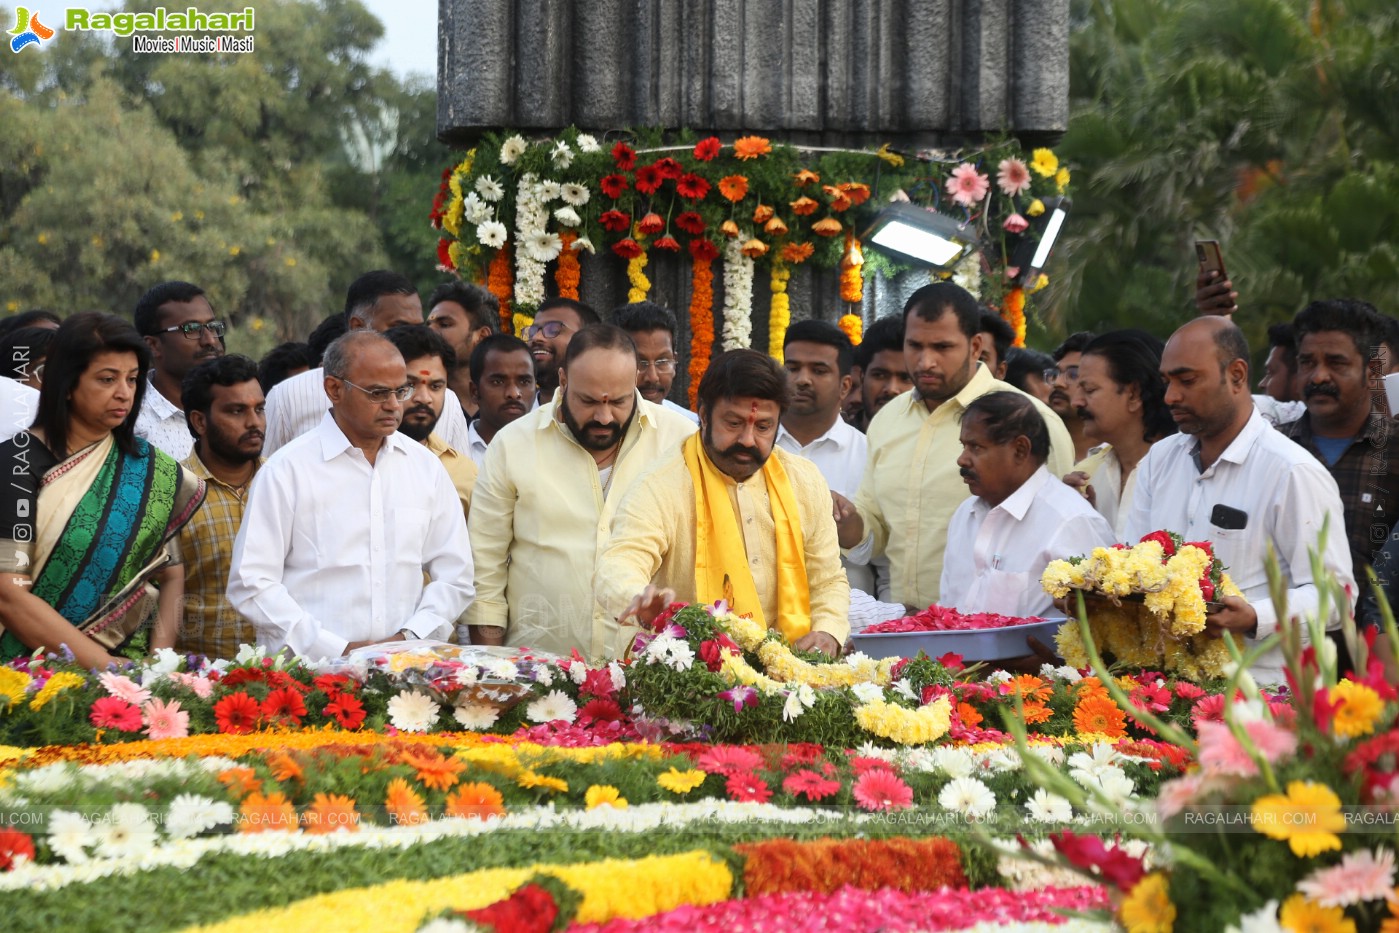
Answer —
729 516
912 484
544 501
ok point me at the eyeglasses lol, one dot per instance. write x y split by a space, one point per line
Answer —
1070 374
381 395
662 367
191 329
550 330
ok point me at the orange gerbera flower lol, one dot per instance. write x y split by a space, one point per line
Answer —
1100 716
330 813
804 206
729 229
805 177
240 781
839 199
259 814
775 227
762 213
826 226
858 191
285 768
968 714
1027 686
1036 712
750 147
434 770
734 187
404 804
754 248
1090 686
797 252
476 799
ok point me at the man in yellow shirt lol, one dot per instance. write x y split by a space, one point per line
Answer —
548 490
430 359
912 484
730 516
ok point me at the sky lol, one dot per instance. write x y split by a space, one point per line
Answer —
410 36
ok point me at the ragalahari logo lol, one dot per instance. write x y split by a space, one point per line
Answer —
28 30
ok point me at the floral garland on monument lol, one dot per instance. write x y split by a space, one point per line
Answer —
780 314
702 256
738 296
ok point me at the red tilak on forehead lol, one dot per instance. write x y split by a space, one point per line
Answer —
424 372
753 415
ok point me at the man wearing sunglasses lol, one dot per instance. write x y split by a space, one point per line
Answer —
555 323
178 324
353 533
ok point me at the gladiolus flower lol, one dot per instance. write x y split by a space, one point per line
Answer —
668 243
803 206
651 223
729 229
616 221
750 147
762 214
805 177
648 179
624 157
734 187
1016 224
707 149
627 248
613 185
827 226
754 248
775 227
690 222
967 186
692 186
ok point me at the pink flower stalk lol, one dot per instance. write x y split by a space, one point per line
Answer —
165 720
967 186
1361 876
1013 177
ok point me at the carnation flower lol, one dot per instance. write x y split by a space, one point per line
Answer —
967 796
587 143
127 832
1013 177
489 188
553 706
478 717
413 711
574 193
165 720
189 815
880 789
512 149
967 186
492 234
1361 876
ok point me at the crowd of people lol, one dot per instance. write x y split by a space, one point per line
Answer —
409 476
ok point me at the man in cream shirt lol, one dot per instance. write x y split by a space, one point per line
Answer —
546 495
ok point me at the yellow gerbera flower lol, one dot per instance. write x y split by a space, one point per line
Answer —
1358 707
1304 916
680 782
1148 908
604 795
1308 817
1044 162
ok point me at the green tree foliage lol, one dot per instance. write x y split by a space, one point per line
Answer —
1269 125
236 171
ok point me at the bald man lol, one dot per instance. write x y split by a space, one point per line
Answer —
1231 479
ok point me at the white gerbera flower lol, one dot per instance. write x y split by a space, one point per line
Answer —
967 796
587 143
70 835
549 190
492 234
562 156
954 762
867 692
543 246
48 779
1262 920
583 243
500 668
474 210
1045 807
478 717
554 705
568 217
413 712
191 815
512 149
126 833
574 193
489 188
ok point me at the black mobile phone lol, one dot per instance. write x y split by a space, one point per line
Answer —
1211 258
1228 519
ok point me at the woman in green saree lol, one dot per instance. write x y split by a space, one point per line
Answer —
89 513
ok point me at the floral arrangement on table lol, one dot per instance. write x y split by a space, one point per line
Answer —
514 205
1147 604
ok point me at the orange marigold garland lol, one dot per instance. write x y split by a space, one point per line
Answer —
500 280
780 313
1013 312
852 279
567 274
703 253
785 865
854 327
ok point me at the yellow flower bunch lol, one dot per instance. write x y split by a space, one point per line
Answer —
57 683
512 760
785 666
905 726
13 683
748 633
737 670
680 782
640 284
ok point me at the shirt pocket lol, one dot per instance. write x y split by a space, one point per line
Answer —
408 533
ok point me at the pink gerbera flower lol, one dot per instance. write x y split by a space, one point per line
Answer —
967 186
165 719
1208 709
1012 176
748 788
809 784
878 789
1361 876
1222 753
728 759
124 688
115 713
203 687
861 765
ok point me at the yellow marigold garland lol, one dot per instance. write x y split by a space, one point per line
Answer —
520 323
906 726
500 280
785 666
780 313
640 284
701 321
568 272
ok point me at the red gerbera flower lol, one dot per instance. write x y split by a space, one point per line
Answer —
809 784
627 249
704 250
334 683
444 258
598 683
347 710
115 713
599 711
243 675
623 156
668 243
13 845
690 222
707 149
748 788
237 713
284 705
692 186
616 221
864 765
651 223
613 185
648 179
728 759
669 168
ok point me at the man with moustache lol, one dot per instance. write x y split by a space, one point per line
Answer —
652 329
464 314
429 359
555 323
502 388
223 401
1019 517
728 516
178 324
1062 379
353 533
880 368
911 484
547 493
1231 479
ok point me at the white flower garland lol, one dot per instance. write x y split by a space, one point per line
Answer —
738 294
531 218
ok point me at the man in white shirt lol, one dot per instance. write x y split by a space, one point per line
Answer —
1231 479
652 329
1019 517
818 358
376 301
502 387
547 495
344 525
178 324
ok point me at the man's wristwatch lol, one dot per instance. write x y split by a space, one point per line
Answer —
407 635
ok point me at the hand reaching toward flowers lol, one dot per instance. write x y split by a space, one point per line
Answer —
818 641
648 604
1236 616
